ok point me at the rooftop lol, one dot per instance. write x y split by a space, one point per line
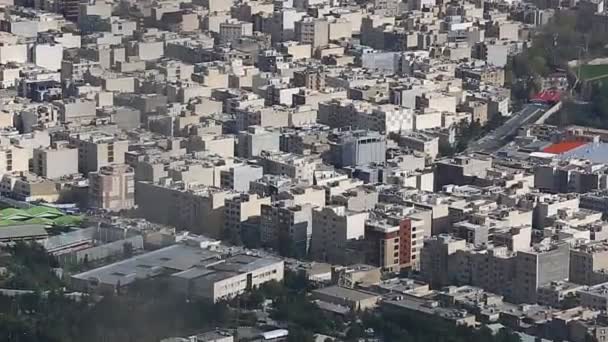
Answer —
344 293
173 258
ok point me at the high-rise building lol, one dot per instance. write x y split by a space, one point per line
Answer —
332 228
257 139
56 161
588 262
238 210
101 150
286 227
312 31
233 29
13 158
353 148
197 208
437 259
112 188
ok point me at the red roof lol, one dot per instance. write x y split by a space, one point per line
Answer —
563 147
550 95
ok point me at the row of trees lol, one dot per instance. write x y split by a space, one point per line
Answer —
292 304
149 312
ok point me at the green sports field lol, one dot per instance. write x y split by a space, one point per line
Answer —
593 72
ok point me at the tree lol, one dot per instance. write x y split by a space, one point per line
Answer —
31 268
355 332
506 335
127 250
298 334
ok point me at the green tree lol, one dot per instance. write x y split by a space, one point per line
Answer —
127 250
506 335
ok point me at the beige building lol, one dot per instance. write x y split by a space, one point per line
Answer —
355 300
478 110
352 276
227 278
97 151
300 195
222 145
595 297
425 143
240 208
332 228
312 31
340 28
588 263
14 158
233 29
286 227
313 79
112 188
437 258
298 167
56 161
199 209
296 50
28 187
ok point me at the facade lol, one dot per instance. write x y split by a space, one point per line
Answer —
287 227
99 151
232 30
239 209
239 176
112 188
256 139
13 158
312 31
358 148
438 258
55 162
199 209
353 299
227 278
588 262
458 170
388 246
332 228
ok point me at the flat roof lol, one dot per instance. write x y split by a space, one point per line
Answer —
563 147
594 152
22 231
228 268
243 263
345 293
176 257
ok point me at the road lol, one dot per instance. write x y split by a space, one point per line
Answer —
498 137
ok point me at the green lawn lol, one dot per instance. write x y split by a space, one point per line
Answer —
589 72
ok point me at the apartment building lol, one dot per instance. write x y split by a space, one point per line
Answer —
332 228
197 208
112 188
56 161
14 159
99 150
353 148
287 227
233 29
239 176
312 31
256 139
588 262
241 208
